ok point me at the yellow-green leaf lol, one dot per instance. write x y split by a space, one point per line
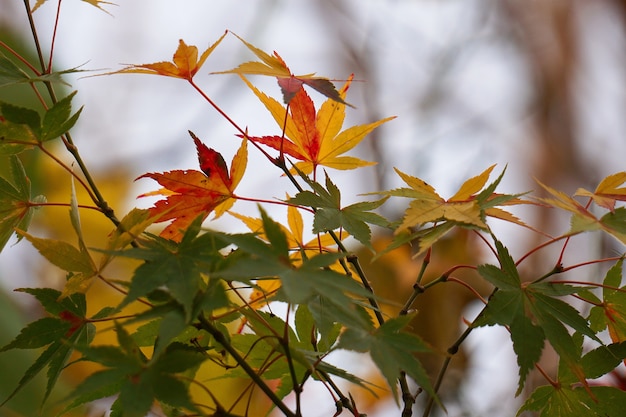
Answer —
425 211
62 254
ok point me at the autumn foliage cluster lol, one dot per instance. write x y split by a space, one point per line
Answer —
270 307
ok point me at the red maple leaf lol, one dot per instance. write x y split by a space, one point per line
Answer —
190 193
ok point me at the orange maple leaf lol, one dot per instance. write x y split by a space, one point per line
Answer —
185 63
190 194
315 137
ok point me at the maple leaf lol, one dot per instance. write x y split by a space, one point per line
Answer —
463 207
185 63
608 191
330 215
610 313
295 243
190 194
16 206
468 207
294 233
290 84
583 220
315 138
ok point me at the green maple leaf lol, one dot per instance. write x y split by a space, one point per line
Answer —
610 312
392 350
175 266
567 397
16 206
11 74
59 334
138 380
576 402
533 314
329 214
311 335
330 296
21 128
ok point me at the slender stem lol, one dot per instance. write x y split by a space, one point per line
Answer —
452 350
31 204
469 287
592 262
419 289
425 264
537 248
284 341
546 376
39 96
54 37
344 402
556 270
219 337
354 261
277 202
280 163
228 118
31 23
70 170
442 372
20 58
97 197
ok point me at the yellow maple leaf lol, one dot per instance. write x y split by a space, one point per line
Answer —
472 186
470 205
428 206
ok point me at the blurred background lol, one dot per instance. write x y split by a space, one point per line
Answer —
538 87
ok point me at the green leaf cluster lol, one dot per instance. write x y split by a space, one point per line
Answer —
329 215
59 334
16 206
22 128
138 380
533 313
392 350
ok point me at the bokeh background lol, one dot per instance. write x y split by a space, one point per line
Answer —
536 86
